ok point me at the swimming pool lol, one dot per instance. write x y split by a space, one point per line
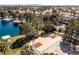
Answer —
8 28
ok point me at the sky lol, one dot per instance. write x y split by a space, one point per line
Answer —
40 2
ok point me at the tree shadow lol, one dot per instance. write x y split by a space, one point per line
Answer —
21 41
66 48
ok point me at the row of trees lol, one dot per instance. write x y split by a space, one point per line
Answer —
71 35
41 23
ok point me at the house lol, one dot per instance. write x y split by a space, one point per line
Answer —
60 27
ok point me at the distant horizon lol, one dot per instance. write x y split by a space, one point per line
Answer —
36 5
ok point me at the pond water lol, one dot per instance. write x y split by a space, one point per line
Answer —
8 28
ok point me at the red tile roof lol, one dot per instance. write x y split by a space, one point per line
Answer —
36 45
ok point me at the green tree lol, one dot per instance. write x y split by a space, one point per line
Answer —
27 27
3 47
54 18
38 24
72 33
27 50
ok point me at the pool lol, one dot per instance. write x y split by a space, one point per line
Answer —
8 28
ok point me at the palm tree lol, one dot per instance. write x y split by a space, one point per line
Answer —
3 47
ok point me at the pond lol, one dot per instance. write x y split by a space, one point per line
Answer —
9 28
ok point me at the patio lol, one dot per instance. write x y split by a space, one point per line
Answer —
42 44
